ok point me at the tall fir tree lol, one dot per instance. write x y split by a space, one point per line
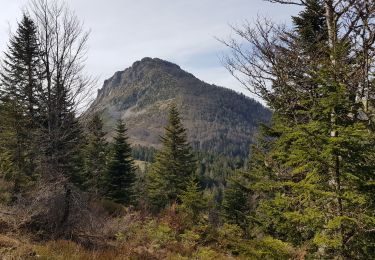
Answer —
174 164
316 175
61 135
311 26
121 170
21 72
20 98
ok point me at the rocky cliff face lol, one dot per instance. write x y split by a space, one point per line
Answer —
218 119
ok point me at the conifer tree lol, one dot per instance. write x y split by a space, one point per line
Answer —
311 26
63 43
192 200
20 94
95 156
20 76
174 164
121 170
319 168
236 202
245 188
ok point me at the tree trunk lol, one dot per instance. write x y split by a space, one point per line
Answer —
331 18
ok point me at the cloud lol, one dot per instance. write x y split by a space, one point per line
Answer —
182 31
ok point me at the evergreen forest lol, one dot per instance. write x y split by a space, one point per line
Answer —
304 190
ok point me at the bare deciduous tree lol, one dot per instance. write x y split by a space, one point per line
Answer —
270 63
63 47
63 89
255 51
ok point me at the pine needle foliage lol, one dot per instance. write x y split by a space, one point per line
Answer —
121 171
174 164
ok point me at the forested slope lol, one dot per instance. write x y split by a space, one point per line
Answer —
218 120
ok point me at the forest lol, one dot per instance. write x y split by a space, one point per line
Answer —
305 191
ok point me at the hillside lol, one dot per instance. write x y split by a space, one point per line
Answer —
218 119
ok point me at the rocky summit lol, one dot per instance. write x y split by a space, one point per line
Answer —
218 120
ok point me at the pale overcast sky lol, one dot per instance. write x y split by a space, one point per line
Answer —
181 31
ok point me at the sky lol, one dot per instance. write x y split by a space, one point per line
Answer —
181 31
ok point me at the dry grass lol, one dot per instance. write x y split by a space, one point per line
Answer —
62 250
127 235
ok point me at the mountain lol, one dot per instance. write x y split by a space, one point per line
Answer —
218 120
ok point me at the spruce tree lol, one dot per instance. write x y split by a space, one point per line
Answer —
244 190
315 178
192 200
20 98
311 26
236 203
121 170
21 73
95 156
174 164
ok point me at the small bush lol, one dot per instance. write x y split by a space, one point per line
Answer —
113 208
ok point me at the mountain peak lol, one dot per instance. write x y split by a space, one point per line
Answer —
214 116
139 69
155 62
